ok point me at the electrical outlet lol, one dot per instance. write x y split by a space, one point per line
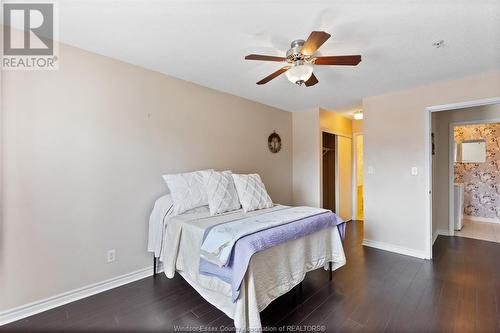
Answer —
111 255
414 171
371 170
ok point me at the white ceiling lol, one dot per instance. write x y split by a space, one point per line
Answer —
205 42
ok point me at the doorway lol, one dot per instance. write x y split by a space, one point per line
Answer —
337 174
475 166
329 172
440 145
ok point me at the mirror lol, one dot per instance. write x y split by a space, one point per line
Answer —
471 151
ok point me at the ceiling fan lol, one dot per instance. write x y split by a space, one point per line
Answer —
300 59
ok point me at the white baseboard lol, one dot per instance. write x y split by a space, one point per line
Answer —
481 219
395 248
434 237
42 305
438 232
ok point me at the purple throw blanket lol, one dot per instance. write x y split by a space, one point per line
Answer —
248 245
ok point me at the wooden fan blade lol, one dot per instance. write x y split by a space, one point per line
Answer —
312 81
348 60
314 41
264 57
273 75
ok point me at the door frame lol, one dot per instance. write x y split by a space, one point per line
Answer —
451 169
428 153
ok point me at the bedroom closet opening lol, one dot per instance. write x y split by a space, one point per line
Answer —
337 174
329 171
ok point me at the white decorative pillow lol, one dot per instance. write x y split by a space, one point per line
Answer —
252 192
222 195
188 190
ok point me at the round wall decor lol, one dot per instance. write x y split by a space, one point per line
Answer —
274 142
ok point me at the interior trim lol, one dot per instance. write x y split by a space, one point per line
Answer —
481 219
26 310
395 248
442 232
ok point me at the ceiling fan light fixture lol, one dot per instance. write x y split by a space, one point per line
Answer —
300 58
299 73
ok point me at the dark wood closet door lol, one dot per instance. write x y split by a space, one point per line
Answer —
328 171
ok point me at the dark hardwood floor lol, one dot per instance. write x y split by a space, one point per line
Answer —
377 291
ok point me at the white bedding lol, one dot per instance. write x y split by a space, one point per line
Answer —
218 244
161 210
271 273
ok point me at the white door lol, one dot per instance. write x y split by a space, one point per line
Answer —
344 177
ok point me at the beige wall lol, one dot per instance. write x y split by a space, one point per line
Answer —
396 203
335 123
84 150
306 158
441 160
357 126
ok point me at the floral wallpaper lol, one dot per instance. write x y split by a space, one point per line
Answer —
481 180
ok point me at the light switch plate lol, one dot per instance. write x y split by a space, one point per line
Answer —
111 255
371 170
414 171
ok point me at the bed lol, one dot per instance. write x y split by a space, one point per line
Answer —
259 267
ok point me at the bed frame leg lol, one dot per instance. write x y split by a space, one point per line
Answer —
330 269
154 265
